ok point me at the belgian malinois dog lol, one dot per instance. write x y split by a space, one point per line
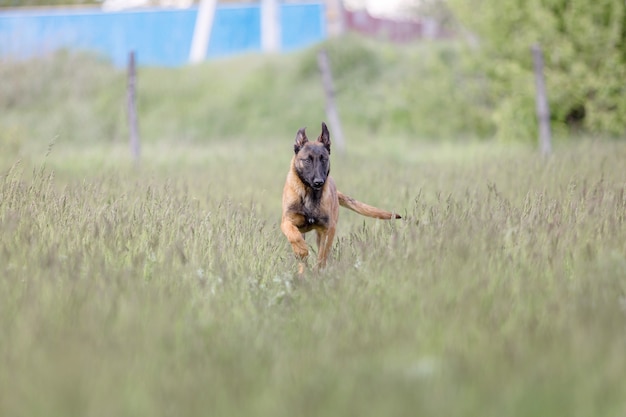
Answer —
311 200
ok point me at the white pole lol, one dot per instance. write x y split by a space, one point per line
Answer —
270 26
335 17
202 31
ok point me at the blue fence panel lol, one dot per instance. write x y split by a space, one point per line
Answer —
161 37
235 29
302 25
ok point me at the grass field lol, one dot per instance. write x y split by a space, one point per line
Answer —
169 290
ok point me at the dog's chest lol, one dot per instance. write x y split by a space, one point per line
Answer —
312 214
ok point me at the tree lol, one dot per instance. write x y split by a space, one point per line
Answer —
585 48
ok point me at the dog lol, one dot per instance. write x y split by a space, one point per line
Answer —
311 200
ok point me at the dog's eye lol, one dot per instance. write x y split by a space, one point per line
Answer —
306 161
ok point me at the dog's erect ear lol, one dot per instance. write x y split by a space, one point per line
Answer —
325 137
301 140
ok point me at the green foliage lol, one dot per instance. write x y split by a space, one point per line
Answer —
169 289
428 91
584 44
76 97
425 90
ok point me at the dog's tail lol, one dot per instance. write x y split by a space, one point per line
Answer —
365 209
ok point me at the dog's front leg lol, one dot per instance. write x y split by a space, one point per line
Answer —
298 244
324 244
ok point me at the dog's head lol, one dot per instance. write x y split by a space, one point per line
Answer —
312 160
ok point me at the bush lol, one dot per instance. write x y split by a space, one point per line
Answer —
427 90
584 45
421 90
77 97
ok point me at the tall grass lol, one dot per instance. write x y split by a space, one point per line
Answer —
169 290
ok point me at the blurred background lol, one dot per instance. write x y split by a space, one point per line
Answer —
442 70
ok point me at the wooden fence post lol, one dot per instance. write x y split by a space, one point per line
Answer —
331 106
543 109
132 109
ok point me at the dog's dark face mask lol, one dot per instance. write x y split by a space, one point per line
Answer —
313 158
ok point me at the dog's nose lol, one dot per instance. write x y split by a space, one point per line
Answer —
318 183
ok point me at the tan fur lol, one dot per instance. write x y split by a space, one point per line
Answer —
364 209
306 209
